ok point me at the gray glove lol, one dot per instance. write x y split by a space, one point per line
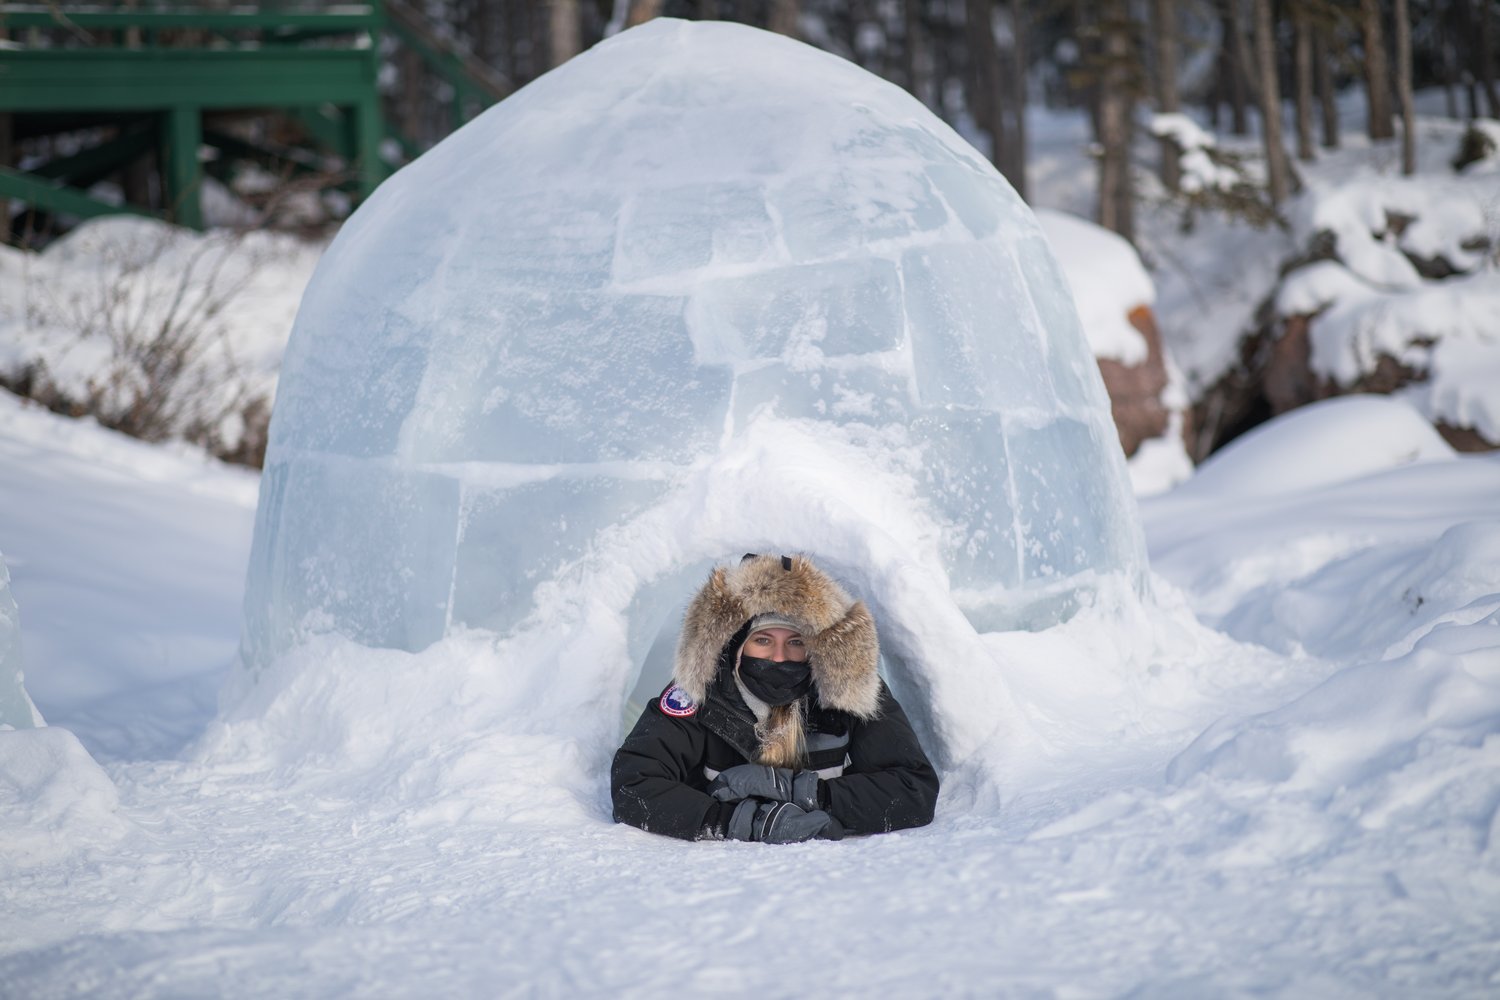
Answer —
781 823
761 781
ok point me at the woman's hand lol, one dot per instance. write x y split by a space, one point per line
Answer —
781 823
761 781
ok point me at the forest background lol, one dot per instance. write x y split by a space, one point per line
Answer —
978 63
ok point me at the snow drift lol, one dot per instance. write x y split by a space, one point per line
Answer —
16 709
701 290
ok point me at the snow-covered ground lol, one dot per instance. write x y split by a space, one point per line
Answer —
1279 774
1298 796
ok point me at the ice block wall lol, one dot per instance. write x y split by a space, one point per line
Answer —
539 329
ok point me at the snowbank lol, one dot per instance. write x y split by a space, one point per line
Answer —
1320 445
1410 740
16 709
54 800
128 561
434 739
1249 533
378 822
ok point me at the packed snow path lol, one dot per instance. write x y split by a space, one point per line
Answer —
1332 840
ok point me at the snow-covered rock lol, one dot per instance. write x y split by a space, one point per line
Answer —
1437 342
1408 302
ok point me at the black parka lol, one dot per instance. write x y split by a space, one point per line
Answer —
660 777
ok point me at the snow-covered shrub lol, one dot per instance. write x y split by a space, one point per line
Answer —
1478 145
1213 179
153 330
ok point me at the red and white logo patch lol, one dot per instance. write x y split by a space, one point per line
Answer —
675 702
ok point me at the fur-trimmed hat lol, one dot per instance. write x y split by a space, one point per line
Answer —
842 646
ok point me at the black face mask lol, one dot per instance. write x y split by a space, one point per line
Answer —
775 683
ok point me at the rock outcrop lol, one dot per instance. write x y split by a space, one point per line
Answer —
1138 396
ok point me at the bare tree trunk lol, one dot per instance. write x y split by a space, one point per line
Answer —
1017 146
642 11
1403 90
1324 79
1164 29
1116 193
521 31
856 14
1450 64
1277 169
986 103
1464 53
1303 59
412 109
784 17
563 31
1233 69
481 35
1085 17
1486 68
1377 71
914 53
1244 57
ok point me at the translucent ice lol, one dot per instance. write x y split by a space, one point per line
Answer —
700 290
16 709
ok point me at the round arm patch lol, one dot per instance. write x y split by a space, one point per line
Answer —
675 702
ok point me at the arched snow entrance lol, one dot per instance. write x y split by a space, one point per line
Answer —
701 290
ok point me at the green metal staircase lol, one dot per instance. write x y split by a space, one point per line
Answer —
165 85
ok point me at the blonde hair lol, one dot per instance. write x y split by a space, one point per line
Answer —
782 740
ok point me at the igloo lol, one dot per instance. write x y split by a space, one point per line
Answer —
702 289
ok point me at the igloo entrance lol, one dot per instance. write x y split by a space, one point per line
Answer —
700 290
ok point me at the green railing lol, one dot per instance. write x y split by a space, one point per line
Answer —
154 69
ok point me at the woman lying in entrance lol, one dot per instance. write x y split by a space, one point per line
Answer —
777 727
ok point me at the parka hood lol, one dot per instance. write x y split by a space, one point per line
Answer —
843 649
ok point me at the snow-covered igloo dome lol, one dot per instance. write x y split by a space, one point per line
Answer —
702 289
